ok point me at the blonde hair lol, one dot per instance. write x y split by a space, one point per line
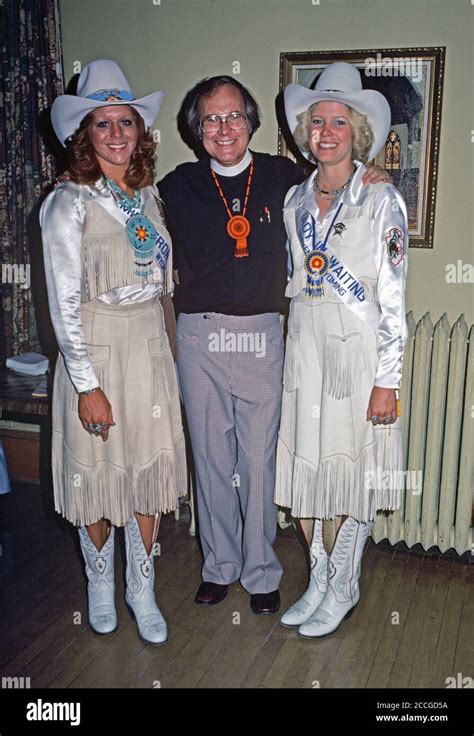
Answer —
362 133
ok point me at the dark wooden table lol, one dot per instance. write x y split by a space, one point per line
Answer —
17 404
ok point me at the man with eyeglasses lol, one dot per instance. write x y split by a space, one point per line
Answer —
224 213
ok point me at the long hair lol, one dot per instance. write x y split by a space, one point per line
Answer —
206 88
85 168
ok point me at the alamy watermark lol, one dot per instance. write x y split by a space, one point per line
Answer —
411 480
16 273
225 341
16 683
43 710
459 273
459 681
393 66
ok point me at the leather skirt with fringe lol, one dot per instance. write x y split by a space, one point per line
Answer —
331 461
141 467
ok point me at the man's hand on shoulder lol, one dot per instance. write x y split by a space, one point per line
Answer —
374 174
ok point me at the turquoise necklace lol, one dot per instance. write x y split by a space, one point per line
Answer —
141 233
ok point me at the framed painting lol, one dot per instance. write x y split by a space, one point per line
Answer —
412 81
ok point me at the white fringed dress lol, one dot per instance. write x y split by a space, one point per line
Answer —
110 329
330 459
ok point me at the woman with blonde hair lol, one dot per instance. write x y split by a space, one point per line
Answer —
339 448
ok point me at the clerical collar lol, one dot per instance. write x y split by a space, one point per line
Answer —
232 170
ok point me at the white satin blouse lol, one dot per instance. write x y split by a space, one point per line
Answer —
62 219
367 221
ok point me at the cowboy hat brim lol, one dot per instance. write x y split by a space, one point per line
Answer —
367 101
67 111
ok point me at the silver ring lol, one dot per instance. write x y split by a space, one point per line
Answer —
95 427
374 419
387 419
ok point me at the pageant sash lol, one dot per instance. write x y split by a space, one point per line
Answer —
326 270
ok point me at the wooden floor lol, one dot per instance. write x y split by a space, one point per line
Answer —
227 646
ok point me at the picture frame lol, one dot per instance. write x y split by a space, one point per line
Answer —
412 81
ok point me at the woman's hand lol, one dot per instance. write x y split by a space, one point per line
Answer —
65 176
382 406
374 174
95 409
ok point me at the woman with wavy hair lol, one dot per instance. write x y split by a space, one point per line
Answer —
118 446
339 449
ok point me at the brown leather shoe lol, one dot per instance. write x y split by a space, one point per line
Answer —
210 593
265 603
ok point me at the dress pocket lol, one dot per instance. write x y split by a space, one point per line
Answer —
343 365
290 369
98 353
164 384
99 356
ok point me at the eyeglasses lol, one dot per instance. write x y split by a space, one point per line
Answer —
212 123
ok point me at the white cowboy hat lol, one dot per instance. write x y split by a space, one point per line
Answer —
340 82
100 83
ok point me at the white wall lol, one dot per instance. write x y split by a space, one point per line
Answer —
171 44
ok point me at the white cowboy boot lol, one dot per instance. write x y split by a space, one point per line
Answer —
101 582
140 596
342 594
305 606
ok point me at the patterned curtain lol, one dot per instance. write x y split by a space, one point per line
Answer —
31 78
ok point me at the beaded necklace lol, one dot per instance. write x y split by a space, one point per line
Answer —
238 226
141 233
